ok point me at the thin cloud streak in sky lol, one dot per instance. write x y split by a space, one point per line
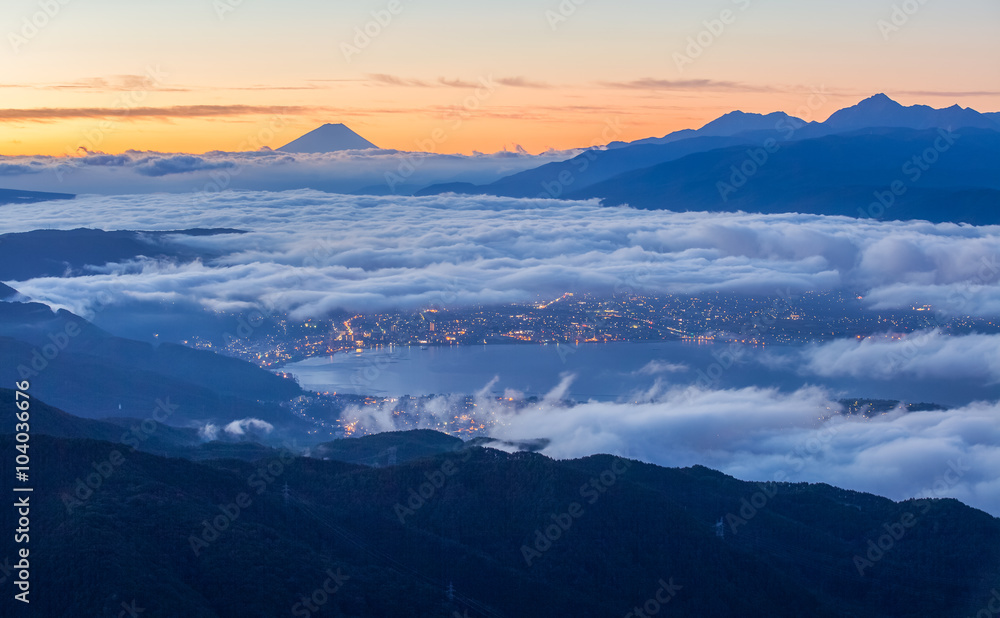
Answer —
648 83
411 82
178 111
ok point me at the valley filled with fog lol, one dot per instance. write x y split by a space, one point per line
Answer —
755 411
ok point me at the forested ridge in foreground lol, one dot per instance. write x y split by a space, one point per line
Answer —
482 532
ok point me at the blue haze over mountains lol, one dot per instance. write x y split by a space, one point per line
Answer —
779 163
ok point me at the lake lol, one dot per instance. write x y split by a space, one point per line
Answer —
604 372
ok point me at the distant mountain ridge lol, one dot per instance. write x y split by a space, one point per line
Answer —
53 253
328 138
851 159
14 196
554 180
842 174
877 111
728 125
881 111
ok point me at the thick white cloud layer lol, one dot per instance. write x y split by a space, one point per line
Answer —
928 354
755 434
764 435
312 252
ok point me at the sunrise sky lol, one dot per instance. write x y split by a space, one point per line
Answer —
199 75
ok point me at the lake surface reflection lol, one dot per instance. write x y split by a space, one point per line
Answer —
605 372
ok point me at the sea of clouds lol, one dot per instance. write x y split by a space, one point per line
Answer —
309 253
374 171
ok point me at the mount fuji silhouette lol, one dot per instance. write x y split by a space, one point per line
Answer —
328 138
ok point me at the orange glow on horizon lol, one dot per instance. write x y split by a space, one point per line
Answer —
532 123
183 77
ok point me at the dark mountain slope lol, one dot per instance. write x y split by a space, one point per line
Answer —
52 421
836 175
380 449
14 196
636 526
78 367
52 253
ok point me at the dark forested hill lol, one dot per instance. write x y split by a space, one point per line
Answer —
85 370
391 447
517 535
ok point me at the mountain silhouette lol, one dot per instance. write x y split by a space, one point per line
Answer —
14 196
328 138
881 111
846 175
837 167
514 534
